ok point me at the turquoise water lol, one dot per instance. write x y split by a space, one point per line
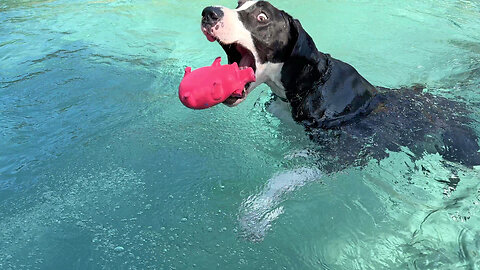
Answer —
101 167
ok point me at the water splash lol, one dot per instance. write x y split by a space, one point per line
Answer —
259 211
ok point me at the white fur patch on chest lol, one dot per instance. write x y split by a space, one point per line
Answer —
271 74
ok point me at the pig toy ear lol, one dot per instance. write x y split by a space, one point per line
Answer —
188 70
217 61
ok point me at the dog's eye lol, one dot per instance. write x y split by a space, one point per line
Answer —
262 17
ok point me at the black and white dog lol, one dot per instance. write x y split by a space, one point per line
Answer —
351 119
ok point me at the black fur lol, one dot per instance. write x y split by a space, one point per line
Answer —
405 117
323 91
272 38
367 122
352 120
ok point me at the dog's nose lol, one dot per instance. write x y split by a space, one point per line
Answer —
211 15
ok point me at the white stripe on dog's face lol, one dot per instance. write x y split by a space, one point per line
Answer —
246 5
231 30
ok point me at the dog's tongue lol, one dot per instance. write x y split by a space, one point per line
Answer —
208 35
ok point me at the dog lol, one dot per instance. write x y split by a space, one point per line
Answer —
351 120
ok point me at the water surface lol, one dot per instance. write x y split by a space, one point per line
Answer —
101 167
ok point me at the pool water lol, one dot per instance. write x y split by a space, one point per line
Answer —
101 167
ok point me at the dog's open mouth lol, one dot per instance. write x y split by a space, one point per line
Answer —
244 58
236 53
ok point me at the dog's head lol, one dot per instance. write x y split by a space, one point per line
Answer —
255 34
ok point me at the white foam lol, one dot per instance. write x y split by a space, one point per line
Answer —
259 211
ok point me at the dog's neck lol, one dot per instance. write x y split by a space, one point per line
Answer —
322 91
304 69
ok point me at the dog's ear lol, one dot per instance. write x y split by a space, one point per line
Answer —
302 69
304 45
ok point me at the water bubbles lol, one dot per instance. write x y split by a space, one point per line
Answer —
80 223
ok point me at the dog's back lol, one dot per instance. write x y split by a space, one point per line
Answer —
406 117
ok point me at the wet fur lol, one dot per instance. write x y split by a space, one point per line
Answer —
351 120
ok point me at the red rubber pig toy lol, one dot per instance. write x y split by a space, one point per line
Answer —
209 86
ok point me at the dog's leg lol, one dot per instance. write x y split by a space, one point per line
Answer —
260 210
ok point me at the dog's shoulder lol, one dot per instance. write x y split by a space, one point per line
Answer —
322 90
345 93
330 93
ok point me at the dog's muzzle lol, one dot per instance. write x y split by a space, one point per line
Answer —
219 24
211 16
